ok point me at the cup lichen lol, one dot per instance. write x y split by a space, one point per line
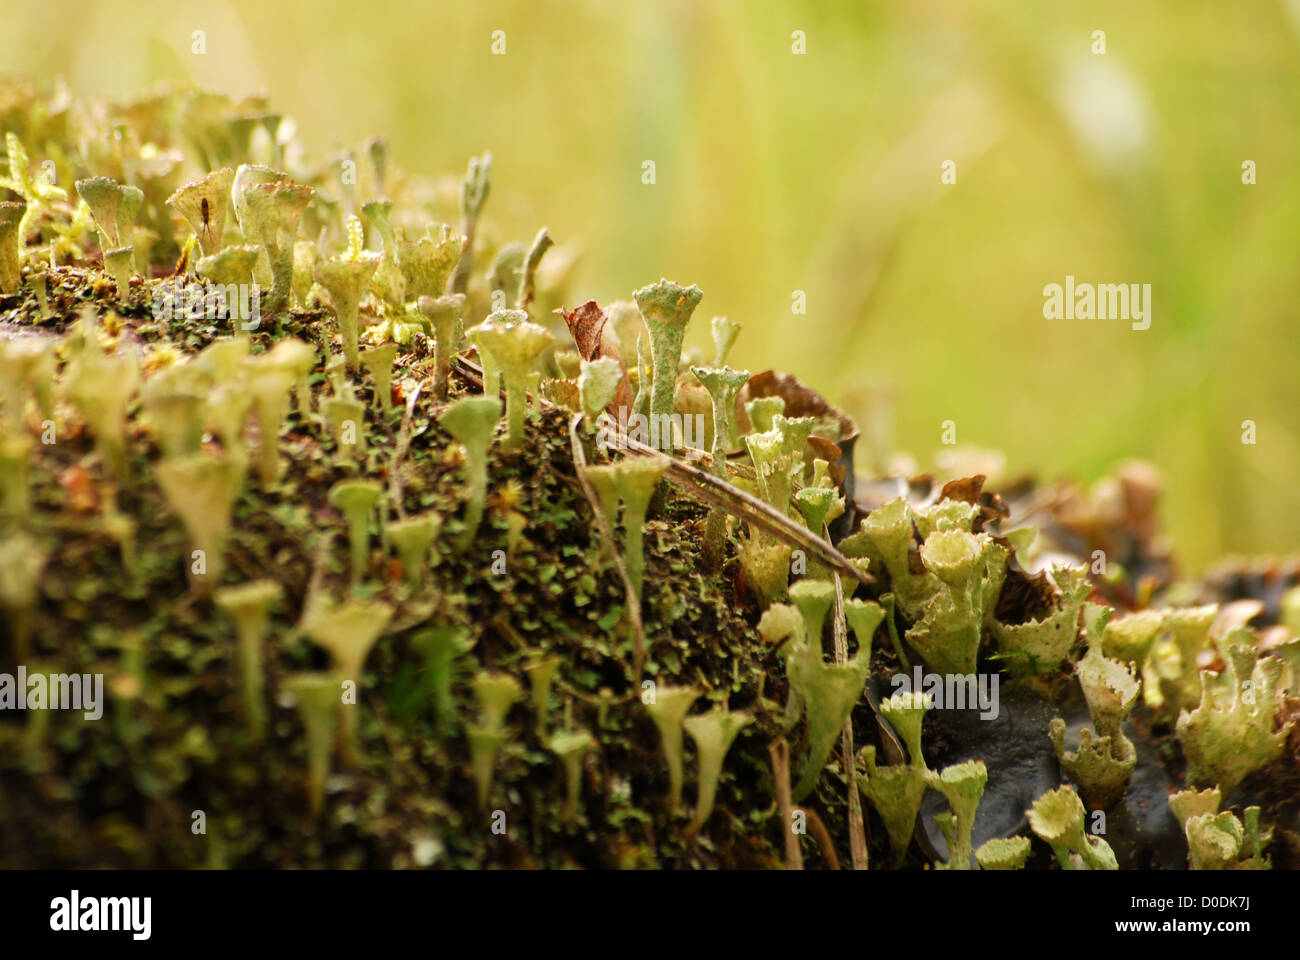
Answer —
1106 758
1238 727
515 344
412 538
472 421
668 710
895 791
345 282
636 479
713 733
317 696
249 605
356 500
571 746
202 202
1057 817
348 631
444 316
201 489
667 308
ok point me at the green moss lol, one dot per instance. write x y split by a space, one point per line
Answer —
98 531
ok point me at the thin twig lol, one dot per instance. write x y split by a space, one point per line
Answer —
395 491
823 837
857 829
716 492
780 753
607 538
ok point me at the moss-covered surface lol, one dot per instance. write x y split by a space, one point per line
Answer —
121 792
116 596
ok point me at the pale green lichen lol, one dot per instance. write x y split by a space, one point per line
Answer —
379 361
348 631
26 363
356 500
121 264
472 421
249 605
201 490
1129 638
667 309
668 709
345 281
598 384
962 785
412 538
1177 659
723 385
274 212
114 207
967 570
346 417
443 314
765 566
296 358
318 699
22 562
232 266
175 413
202 203
1057 817
304 272
474 191
1219 841
427 263
1105 760
895 791
15 497
269 385
1003 853
829 692
441 647
762 411
1043 644
1238 727
713 734
496 693
636 479
505 276
540 676
724 336
484 745
571 746
515 345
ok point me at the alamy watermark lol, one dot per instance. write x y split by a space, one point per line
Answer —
674 432
953 691
178 300
53 691
1098 301
75 913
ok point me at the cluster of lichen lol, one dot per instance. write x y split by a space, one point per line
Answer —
367 405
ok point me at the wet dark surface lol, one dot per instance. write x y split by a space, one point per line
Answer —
1015 748
1022 766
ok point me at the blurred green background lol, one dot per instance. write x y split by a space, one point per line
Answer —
820 172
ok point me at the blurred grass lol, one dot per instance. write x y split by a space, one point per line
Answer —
820 173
